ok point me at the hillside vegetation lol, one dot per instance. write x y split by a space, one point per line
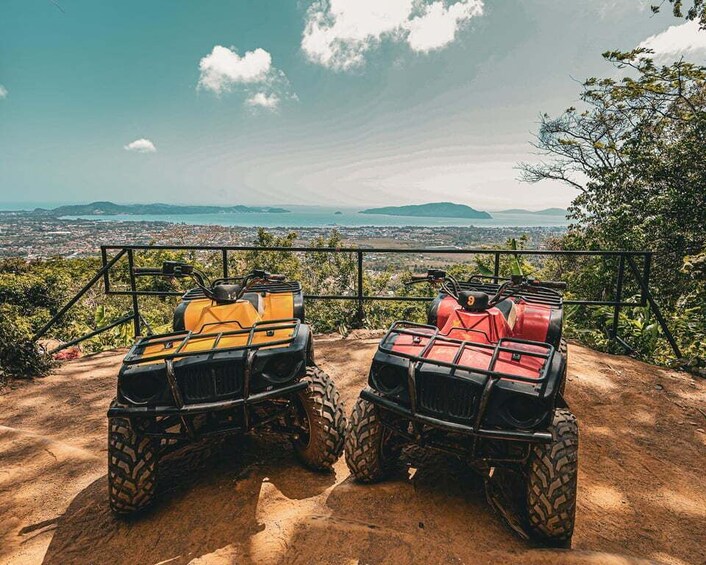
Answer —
112 209
432 210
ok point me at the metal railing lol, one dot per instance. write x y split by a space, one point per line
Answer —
635 263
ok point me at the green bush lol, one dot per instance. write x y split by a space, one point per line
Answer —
32 292
19 355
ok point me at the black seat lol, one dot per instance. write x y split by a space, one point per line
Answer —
225 293
507 309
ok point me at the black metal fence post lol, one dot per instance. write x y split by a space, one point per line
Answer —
133 290
360 314
496 267
106 274
224 251
655 309
618 297
646 277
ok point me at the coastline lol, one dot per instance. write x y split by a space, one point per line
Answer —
28 236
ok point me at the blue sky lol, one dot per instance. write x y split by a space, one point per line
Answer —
342 103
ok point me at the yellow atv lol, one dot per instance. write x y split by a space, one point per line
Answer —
240 358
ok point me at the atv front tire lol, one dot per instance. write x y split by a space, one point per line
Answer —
132 467
367 448
551 482
321 404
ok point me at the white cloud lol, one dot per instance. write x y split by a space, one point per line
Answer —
223 68
437 26
3 91
141 145
684 40
339 33
263 100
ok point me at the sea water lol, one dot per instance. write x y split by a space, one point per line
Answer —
319 216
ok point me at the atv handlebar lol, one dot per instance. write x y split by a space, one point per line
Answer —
431 276
180 269
509 288
146 271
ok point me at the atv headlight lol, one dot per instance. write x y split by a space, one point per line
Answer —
280 369
388 379
524 411
140 388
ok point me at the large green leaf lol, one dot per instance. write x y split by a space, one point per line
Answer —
485 271
515 263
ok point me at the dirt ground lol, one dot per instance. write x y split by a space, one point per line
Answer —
642 485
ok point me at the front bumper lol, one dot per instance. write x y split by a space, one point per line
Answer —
129 410
458 428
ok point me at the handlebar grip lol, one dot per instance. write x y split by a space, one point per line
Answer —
420 277
146 271
558 285
276 277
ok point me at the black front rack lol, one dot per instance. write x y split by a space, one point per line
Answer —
169 340
504 345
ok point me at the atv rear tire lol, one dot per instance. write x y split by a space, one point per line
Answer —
551 482
366 455
132 467
326 419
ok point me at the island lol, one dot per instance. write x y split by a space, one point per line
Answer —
339 213
431 210
546 212
112 209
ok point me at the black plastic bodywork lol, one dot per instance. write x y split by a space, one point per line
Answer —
465 410
196 393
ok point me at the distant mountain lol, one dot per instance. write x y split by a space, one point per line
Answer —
111 209
432 210
545 212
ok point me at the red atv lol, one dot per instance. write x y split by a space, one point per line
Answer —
484 380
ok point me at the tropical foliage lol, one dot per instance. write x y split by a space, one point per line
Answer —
635 153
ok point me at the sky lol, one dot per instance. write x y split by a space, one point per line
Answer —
336 103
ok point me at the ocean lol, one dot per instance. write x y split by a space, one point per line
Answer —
319 216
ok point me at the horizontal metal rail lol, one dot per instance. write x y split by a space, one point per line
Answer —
370 297
369 250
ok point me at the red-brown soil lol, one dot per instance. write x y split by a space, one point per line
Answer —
642 483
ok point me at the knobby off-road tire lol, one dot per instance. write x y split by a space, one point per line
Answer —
551 482
132 467
325 414
564 351
366 453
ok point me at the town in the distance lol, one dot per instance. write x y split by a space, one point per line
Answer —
79 230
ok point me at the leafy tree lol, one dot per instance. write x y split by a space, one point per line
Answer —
635 154
696 11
